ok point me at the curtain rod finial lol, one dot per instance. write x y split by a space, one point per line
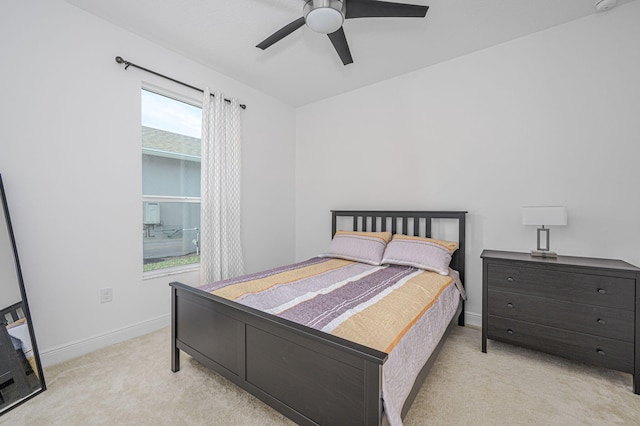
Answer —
122 61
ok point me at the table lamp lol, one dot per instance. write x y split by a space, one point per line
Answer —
544 216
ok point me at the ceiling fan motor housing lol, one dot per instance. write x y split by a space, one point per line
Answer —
324 16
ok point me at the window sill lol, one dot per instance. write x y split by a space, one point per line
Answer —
159 273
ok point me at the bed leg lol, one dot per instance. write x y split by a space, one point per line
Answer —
175 352
461 316
175 358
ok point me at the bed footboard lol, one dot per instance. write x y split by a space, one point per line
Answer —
309 376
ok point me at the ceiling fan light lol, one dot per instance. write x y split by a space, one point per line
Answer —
324 16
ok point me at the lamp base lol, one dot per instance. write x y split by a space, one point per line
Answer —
544 253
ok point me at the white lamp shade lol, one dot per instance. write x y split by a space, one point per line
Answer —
547 216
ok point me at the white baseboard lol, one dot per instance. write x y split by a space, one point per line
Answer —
473 319
58 354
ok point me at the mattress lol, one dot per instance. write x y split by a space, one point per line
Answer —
19 332
399 310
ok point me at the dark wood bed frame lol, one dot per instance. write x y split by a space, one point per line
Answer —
16 312
311 377
14 367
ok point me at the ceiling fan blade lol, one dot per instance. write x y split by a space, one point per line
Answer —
281 33
383 9
339 41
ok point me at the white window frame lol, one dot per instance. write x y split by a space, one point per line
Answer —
170 199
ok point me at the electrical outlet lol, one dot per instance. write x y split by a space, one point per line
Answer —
106 295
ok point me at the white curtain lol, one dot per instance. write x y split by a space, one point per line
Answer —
221 248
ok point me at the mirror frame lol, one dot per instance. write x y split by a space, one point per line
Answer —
25 307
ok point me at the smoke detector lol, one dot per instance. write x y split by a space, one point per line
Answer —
604 5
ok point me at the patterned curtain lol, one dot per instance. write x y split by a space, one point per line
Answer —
221 248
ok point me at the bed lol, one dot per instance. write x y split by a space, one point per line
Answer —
17 363
17 327
309 375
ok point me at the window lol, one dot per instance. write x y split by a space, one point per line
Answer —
170 182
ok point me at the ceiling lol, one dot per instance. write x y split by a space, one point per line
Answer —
304 67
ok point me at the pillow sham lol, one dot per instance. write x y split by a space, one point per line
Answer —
422 253
365 247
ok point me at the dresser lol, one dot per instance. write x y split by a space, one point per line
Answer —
584 309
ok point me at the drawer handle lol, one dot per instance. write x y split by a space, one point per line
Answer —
510 279
600 352
601 321
509 305
602 291
509 331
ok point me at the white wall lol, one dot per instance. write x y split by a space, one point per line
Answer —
548 119
71 163
551 118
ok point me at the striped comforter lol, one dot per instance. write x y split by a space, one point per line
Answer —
371 305
375 306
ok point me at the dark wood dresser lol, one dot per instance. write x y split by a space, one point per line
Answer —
584 309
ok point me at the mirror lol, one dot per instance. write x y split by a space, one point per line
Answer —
20 370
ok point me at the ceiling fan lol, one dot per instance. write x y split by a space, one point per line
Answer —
327 17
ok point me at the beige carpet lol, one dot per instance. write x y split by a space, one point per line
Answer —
131 384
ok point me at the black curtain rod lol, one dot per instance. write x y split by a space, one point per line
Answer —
128 64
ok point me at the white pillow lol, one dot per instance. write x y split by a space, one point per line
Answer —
422 253
365 247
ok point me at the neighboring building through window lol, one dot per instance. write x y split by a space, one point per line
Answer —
170 182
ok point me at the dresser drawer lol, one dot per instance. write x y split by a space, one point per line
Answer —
591 319
589 349
583 288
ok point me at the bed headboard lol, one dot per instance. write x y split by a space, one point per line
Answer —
417 223
12 313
